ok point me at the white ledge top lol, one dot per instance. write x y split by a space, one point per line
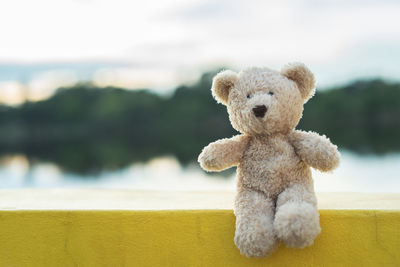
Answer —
110 199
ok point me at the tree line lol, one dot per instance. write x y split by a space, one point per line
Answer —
84 128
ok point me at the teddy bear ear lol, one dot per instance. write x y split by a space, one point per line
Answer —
302 76
221 85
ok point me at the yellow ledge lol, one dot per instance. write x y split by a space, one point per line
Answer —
33 234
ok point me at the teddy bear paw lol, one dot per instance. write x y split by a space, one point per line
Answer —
255 244
297 224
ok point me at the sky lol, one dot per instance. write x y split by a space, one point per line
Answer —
160 44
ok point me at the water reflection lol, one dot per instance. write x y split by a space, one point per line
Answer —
355 174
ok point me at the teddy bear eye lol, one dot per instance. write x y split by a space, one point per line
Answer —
271 93
248 96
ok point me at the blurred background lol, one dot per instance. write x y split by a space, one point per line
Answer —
116 94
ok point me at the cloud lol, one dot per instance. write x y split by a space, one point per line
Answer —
137 78
156 43
40 87
12 93
46 30
43 85
208 10
26 72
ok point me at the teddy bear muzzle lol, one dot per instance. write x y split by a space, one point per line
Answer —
259 111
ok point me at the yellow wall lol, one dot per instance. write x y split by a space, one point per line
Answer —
186 238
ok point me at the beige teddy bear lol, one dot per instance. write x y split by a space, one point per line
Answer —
275 198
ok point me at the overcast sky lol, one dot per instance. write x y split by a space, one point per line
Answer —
159 44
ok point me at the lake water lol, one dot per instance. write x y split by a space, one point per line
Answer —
355 174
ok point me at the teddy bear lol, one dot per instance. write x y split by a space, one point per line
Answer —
275 199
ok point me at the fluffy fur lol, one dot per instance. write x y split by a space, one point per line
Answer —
275 198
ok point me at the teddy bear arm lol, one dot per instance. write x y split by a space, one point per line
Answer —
315 150
223 154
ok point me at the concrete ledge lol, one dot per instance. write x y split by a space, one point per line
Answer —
104 199
117 236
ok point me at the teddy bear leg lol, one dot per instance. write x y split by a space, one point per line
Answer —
254 234
297 219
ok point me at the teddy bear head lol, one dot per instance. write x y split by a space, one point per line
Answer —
261 101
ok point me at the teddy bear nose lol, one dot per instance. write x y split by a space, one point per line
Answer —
259 111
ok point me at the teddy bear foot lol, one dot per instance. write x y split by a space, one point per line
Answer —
255 244
254 235
297 224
